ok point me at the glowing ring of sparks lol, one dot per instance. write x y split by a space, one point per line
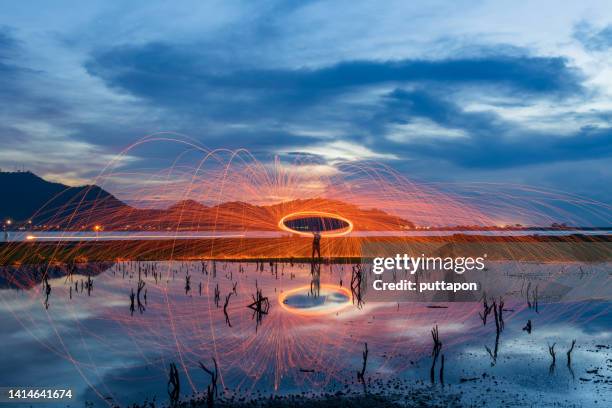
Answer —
318 312
321 214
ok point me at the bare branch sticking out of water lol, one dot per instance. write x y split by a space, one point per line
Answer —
569 358
498 311
187 284
260 306
174 385
486 310
141 307
217 295
551 351
528 327
435 352
211 390
356 285
569 352
442 369
227 299
361 374
47 289
532 299
132 298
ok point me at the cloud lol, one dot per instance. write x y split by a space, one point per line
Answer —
373 107
8 44
11 74
593 39
186 78
459 91
35 129
420 128
344 151
485 140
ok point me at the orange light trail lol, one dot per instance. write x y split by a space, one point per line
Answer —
320 214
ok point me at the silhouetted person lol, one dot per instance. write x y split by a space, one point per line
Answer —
316 244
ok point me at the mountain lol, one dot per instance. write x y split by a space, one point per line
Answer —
29 197
187 205
25 196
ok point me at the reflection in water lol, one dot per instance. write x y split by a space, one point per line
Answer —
107 354
330 299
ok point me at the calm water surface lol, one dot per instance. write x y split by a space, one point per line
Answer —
94 344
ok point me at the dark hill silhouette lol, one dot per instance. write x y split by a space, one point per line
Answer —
187 205
26 196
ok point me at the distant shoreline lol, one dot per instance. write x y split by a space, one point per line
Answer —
536 248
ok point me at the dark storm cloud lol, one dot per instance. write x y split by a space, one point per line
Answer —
191 82
260 142
233 106
171 76
492 143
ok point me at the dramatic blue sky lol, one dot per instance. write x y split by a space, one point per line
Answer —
455 91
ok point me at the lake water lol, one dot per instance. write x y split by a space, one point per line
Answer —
106 353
